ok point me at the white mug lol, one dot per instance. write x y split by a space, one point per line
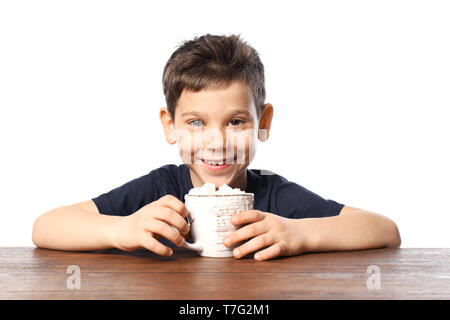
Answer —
211 216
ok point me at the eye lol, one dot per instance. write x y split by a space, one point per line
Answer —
236 122
194 122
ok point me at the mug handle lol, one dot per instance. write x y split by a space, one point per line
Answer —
196 246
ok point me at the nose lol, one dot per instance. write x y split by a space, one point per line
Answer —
214 139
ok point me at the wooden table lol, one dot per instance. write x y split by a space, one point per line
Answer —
32 273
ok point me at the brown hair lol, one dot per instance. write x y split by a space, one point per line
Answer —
213 61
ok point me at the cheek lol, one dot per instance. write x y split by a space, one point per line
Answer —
243 143
252 143
189 145
185 153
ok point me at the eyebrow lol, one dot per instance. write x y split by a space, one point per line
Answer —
199 114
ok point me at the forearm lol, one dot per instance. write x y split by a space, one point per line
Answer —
352 231
74 229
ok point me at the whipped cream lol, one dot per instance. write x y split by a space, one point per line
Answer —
210 189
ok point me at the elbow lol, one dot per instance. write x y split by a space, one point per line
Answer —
396 240
37 233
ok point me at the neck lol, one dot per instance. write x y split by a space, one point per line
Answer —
238 182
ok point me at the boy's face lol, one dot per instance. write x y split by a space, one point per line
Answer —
216 125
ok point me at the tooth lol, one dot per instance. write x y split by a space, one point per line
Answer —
215 163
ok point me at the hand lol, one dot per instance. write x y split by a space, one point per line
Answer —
153 221
282 236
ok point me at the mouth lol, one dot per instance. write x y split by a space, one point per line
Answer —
216 165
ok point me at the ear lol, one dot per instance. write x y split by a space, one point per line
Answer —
168 125
265 121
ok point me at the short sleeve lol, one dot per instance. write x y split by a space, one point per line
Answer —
295 201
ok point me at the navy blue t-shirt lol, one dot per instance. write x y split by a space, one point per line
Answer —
272 193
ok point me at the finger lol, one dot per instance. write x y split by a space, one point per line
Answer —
166 231
247 217
173 203
244 233
254 244
173 218
271 252
155 246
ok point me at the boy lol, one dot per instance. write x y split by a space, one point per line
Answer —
215 94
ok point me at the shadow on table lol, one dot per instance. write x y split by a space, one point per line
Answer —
178 253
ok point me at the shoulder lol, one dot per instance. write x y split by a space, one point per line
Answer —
153 175
171 178
162 179
286 189
280 182
272 191
292 200
277 184
168 170
265 177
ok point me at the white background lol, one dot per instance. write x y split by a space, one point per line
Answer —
361 93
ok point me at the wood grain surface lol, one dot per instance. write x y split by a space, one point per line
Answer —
33 273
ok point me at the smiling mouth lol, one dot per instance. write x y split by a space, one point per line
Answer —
235 160
215 162
213 166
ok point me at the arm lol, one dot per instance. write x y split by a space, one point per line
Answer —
80 227
352 229
75 227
